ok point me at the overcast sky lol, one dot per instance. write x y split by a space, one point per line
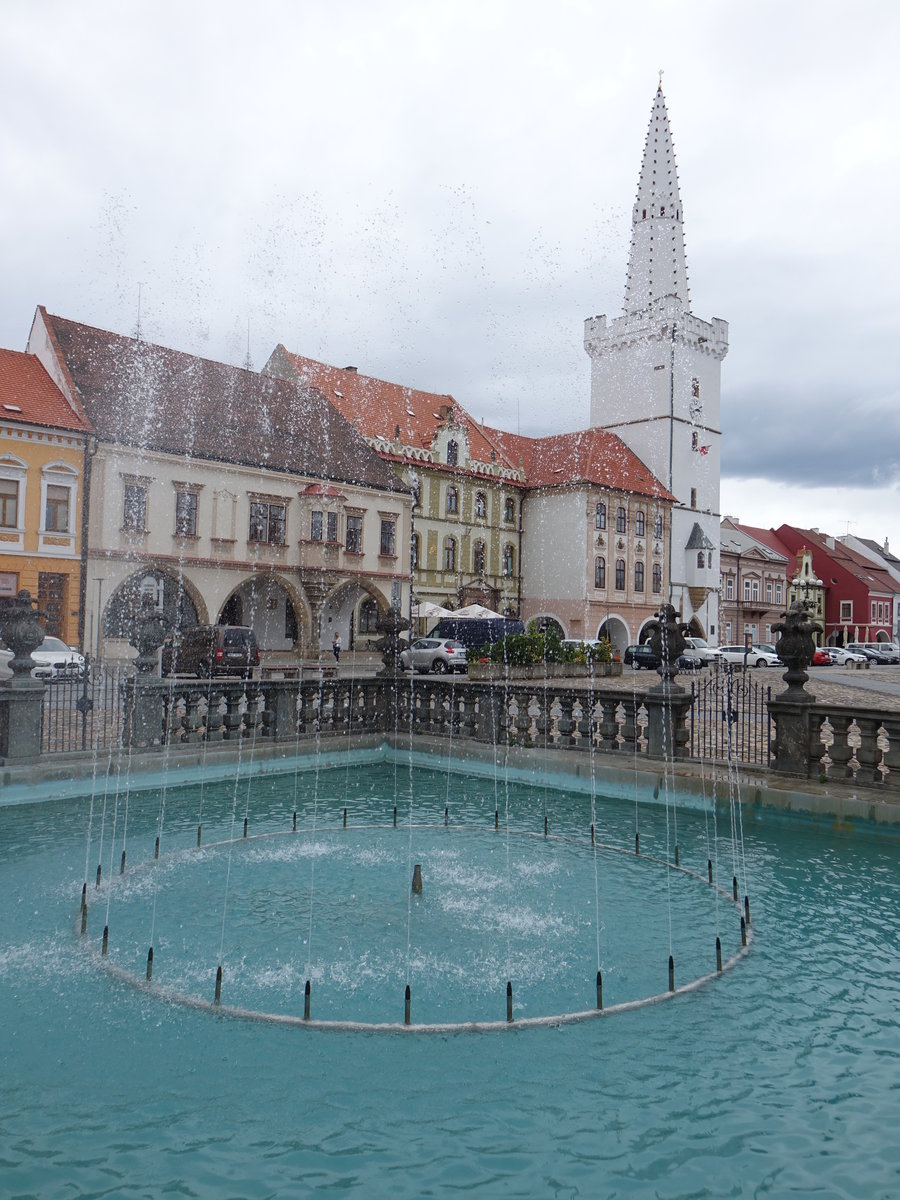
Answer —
440 194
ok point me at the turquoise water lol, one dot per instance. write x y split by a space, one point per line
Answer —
778 1078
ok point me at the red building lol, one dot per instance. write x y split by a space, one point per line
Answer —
858 595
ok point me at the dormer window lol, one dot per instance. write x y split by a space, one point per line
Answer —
452 453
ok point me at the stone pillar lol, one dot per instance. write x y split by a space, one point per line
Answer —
667 709
20 720
792 733
143 699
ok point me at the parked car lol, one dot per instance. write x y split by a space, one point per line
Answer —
691 661
41 671
641 656
434 654
55 660
841 657
208 650
702 648
884 652
821 657
756 656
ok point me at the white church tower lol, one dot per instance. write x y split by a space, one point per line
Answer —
655 379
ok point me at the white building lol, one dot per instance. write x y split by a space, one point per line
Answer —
655 379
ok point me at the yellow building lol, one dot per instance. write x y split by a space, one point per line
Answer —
42 456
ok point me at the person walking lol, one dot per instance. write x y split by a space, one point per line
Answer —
336 646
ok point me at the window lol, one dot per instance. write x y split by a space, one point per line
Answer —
620 574
478 557
509 509
729 588
480 506
693 497
509 561
368 616
134 514
388 537
874 616
768 633
414 552
768 591
452 453
331 527
185 514
56 513
695 440
746 589
657 526
639 522
353 541
600 516
695 388
750 634
315 527
449 554
267 523
777 593
620 520
754 587
638 576
9 504
846 610
599 572
657 577
701 559
452 500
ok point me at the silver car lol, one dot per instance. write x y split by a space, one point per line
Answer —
434 654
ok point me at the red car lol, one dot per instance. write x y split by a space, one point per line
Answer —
821 658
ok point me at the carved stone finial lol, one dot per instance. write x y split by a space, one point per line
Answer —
20 630
390 625
666 638
149 630
796 648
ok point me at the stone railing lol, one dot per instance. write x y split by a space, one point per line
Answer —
173 712
837 744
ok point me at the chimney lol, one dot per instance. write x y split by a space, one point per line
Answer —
351 370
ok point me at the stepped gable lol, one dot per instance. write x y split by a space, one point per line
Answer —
156 399
587 456
383 411
29 395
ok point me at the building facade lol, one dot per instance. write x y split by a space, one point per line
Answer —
754 586
225 496
466 543
43 442
656 380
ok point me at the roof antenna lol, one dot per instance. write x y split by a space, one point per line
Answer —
137 328
248 361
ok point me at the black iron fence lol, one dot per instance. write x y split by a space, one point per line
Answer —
729 717
83 714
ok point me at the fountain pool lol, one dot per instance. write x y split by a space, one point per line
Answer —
778 1077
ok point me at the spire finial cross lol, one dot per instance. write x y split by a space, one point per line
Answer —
660 78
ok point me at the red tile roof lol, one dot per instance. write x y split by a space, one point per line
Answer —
29 395
589 456
378 408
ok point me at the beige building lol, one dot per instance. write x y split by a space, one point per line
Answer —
226 496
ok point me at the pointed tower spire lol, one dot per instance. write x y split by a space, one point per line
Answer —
657 267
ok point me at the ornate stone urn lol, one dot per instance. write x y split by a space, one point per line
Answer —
150 629
796 648
20 630
667 643
390 626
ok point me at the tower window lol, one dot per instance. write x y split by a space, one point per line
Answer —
693 497
452 454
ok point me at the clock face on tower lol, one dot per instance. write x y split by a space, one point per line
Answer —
696 409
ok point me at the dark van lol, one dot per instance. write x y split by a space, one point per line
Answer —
208 650
476 631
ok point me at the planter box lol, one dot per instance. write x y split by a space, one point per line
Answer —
486 672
